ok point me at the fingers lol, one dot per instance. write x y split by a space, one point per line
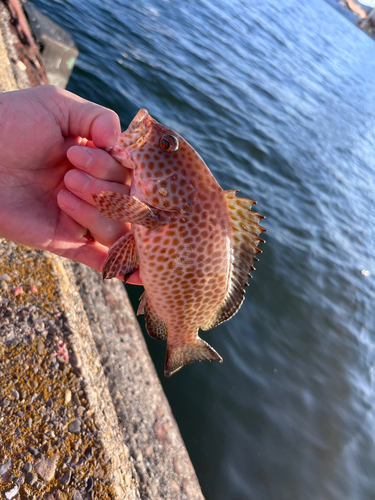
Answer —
99 164
81 118
70 242
84 185
105 231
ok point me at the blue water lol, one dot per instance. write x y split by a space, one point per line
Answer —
279 99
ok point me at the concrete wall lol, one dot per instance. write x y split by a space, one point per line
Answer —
82 412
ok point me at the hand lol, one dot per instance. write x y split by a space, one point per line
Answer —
40 133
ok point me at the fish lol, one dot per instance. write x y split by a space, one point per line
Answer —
194 243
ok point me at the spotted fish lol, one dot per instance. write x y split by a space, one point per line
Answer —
194 243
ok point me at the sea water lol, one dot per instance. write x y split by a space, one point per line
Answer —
278 97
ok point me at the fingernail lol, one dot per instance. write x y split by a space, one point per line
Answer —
112 139
68 200
77 180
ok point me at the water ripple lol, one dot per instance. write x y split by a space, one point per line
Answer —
278 98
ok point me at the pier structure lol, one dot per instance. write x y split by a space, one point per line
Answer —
82 412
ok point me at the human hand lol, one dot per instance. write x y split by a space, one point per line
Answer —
41 129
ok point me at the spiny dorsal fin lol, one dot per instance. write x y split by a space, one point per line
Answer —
122 258
155 326
119 206
179 356
245 239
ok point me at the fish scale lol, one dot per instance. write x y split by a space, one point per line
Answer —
194 243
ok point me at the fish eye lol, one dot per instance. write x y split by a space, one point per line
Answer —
169 143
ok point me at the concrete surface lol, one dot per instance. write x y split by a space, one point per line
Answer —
82 412
163 466
59 434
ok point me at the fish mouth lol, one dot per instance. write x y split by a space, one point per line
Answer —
140 122
138 131
133 138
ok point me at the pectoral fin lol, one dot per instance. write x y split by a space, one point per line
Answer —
179 356
118 206
122 258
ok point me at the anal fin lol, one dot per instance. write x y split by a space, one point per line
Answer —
155 326
119 206
122 258
179 356
142 302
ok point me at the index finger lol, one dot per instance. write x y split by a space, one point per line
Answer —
99 164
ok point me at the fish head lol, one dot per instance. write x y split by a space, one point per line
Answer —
160 160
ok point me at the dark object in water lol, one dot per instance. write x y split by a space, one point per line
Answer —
57 48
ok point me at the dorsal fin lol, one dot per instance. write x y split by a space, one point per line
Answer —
245 239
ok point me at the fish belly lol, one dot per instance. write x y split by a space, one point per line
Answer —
185 270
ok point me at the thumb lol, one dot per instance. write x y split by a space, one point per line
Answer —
82 118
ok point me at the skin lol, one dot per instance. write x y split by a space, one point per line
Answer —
50 165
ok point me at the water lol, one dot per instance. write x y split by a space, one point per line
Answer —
279 98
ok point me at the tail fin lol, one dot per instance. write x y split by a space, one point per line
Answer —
177 357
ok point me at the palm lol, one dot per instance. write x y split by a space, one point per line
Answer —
45 198
32 174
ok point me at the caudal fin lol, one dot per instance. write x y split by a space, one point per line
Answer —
177 357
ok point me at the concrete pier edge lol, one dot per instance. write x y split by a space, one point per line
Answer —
82 412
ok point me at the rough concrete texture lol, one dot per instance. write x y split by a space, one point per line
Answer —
7 81
70 346
82 412
20 63
163 466
7 78
58 428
